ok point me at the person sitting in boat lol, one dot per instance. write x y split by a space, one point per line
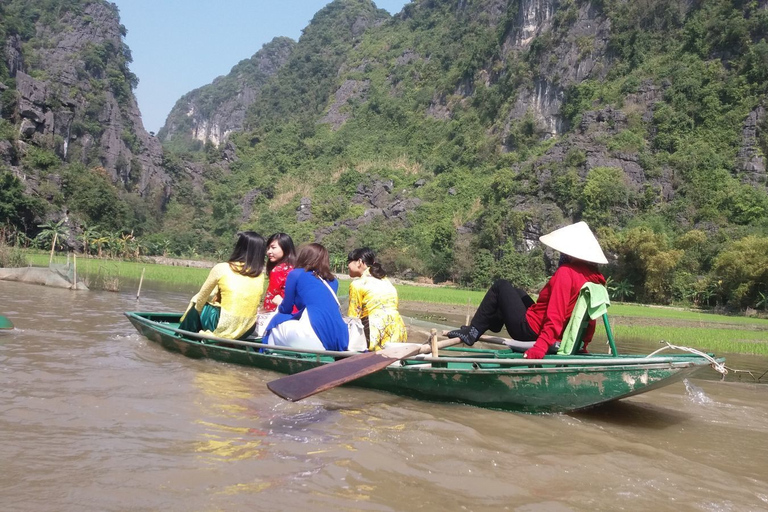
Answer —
233 290
312 288
542 321
373 299
281 258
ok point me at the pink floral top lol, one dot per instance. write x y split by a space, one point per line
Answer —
276 285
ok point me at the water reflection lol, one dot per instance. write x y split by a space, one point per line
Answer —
225 418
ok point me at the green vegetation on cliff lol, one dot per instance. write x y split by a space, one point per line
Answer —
450 136
652 147
71 145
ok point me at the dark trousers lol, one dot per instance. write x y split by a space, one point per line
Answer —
505 305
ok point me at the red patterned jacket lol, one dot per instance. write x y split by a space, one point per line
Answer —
276 285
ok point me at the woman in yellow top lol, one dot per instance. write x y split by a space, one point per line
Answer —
373 299
236 287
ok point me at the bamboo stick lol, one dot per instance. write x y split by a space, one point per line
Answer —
74 260
141 280
53 246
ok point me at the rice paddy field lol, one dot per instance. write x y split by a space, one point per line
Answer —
699 328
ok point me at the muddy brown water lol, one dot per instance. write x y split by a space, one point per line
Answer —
95 417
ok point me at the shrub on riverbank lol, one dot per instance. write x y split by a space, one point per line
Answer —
12 257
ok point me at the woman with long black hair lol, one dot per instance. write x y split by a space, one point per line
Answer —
281 258
232 290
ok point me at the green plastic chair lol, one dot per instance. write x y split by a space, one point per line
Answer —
587 292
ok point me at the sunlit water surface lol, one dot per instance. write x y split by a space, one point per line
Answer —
95 417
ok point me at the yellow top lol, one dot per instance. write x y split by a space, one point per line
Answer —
240 298
377 299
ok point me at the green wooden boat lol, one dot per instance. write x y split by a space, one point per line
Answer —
492 378
5 324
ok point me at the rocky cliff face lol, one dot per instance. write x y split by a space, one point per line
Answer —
505 111
569 48
212 112
73 96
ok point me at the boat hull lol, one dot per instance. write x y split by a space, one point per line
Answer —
536 389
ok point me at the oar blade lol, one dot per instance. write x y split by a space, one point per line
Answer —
307 383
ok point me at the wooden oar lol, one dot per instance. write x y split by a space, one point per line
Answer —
307 383
5 323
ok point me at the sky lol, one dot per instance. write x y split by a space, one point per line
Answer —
180 45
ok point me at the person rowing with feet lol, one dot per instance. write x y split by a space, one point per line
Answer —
544 320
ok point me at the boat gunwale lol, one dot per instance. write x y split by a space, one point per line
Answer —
582 363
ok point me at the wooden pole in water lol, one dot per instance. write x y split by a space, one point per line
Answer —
74 263
141 280
53 246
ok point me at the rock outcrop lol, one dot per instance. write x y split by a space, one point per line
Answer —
214 111
74 96
750 159
380 202
566 54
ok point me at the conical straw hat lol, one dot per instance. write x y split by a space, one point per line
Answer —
576 240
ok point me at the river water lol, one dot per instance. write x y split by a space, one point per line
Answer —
95 417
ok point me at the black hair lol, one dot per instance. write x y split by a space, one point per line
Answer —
289 251
369 258
250 251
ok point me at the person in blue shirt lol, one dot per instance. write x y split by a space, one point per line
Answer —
312 288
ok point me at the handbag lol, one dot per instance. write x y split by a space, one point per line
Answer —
262 321
358 341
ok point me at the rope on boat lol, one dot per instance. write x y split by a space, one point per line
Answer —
717 366
756 379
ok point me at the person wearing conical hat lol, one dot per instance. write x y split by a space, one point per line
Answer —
544 320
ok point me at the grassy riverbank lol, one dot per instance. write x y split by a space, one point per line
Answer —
699 329
90 269
692 328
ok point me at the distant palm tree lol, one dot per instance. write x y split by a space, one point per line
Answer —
115 244
51 230
54 231
621 290
126 244
338 263
89 237
100 241
21 239
706 295
222 254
